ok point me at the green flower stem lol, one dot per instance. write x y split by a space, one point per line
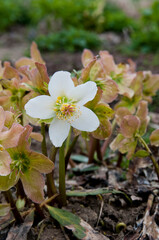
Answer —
50 176
68 141
107 141
51 189
9 199
43 144
141 140
62 187
68 154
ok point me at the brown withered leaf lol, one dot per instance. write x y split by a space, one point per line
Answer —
150 226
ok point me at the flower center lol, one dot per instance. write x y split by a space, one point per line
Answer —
66 108
1 148
20 162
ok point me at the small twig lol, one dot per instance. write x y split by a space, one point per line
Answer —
45 202
147 213
100 210
41 230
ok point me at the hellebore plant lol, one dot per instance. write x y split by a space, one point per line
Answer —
65 108
77 100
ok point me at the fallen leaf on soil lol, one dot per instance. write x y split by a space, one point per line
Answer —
83 193
79 227
6 220
4 209
21 232
150 226
82 167
68 220
91 233
79 158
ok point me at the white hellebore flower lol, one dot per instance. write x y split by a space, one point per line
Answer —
65 106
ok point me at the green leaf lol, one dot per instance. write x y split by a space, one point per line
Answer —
141 153
79 158
68 220
103 111
91 104
104 130
88 168
4 209
84 193
35 89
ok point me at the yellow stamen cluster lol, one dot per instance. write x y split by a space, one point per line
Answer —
1 148
66 108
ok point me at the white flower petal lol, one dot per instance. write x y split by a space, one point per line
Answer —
40 107
60 84
58 132
84 92
87 121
